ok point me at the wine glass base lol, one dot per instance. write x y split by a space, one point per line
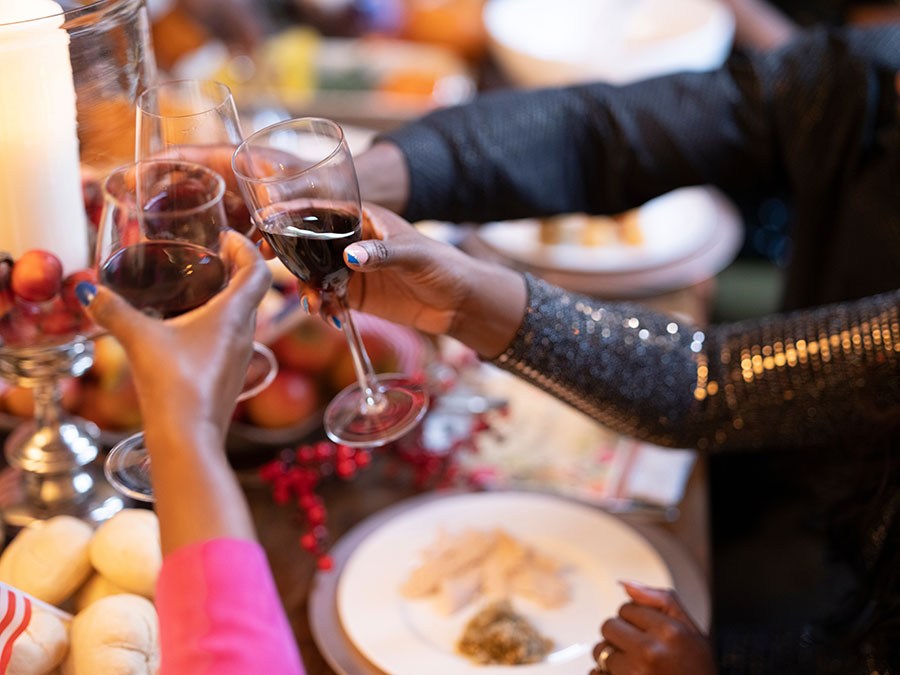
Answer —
406 402
127 468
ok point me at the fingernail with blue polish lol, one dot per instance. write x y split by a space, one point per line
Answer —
336 321
259 243
352 259
305 305
85 292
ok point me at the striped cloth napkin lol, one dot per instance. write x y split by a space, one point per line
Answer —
15 614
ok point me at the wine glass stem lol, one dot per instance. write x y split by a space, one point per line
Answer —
373 400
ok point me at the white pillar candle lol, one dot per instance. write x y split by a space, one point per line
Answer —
41 204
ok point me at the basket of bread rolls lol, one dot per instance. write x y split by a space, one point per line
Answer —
105 578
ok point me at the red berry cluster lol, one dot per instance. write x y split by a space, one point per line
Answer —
37 304
295 475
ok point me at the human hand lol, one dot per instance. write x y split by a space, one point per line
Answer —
652 635
415 281
188 371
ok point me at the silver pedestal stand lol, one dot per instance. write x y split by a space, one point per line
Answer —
54 452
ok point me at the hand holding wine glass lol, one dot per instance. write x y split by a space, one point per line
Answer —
412 280
308 210
189 369
158 246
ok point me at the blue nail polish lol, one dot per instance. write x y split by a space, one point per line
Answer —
259 243
85 292
336 321
305 305
352 259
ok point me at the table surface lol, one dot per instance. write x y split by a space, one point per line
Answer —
350 502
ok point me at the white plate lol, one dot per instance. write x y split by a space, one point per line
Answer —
404 637
690 235
673 227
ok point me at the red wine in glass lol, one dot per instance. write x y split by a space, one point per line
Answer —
310 242
164 278
300 184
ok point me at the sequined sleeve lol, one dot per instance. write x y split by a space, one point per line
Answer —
788 380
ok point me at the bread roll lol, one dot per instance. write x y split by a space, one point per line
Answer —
97 587
41 647
117 635
126 551
48 559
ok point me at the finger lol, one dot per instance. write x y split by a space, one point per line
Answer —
251 279
623 635
110 311
311 300
383 223
620 663
662 599
405 254
644 618
265 249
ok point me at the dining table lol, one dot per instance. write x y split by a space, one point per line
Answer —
386 484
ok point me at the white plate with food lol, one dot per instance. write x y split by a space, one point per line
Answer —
409 591
676 240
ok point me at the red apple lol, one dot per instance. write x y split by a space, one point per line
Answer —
36 276
115 408
380 353
60 323
290 399
7 301
19 326
20 400
6 265
110 362
68 288
311 347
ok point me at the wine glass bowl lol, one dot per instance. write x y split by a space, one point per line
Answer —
159 234
300 184
194 120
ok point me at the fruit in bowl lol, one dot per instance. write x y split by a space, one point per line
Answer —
105 394
290 399
383 357
312 347
37 300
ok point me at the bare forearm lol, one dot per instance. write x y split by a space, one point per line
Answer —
384 176
492 310
197 495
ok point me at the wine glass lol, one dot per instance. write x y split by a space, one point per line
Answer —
158 247
197 121
299 181
194 120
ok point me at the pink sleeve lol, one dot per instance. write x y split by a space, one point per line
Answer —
219 612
